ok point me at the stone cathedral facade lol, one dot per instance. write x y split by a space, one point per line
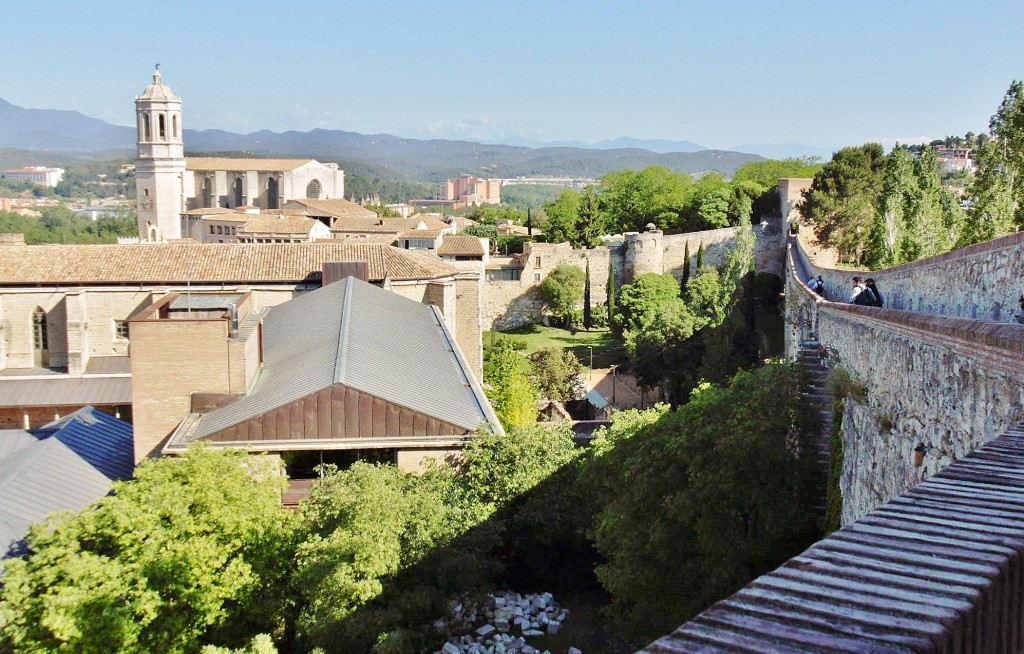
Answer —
168 184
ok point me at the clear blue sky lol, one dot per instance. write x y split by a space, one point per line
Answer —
722 73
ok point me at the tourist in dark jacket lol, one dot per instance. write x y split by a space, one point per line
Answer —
870 285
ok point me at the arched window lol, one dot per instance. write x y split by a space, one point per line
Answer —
163 127
272 193
313 190
40 338
238 192
207 196
174 126
148 128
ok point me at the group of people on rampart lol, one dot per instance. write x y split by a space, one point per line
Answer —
865 291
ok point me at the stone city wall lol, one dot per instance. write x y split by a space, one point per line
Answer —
947 384
508 304
513 303
984 281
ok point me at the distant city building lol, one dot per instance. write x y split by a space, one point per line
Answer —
36 175
168 185
953 159
468 190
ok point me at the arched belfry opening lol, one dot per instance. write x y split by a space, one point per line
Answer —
272 199
174 126
147 128
207 193
162 119
237 191
313 190
40 339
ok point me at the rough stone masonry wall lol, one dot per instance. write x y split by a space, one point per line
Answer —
945 383
949 384
510 304
983 281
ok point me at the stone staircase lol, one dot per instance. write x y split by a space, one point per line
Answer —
818 396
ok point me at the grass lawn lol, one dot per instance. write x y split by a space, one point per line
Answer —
607 350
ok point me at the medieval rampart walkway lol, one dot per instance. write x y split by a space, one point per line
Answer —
937 568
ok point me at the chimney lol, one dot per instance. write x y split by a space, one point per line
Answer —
334 271
233 324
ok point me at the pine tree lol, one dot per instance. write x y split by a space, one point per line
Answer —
588 317
686 271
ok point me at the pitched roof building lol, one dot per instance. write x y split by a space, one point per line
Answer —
65 309
65 465
348 366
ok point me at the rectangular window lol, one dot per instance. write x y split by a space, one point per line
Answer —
220 230
537 265
121 329
212 231
536 277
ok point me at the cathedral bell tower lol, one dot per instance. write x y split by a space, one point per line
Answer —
160 162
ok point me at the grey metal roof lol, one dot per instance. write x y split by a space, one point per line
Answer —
68 464
366 338
64 391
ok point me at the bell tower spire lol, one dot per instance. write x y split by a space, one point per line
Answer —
160 161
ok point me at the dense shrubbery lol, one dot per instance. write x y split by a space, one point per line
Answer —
697 502
682 507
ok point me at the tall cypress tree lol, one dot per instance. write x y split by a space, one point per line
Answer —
686 271
588 317
529 223
700 257
611 293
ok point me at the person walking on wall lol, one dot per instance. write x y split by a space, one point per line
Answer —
820 290
865 297
858 286
870 285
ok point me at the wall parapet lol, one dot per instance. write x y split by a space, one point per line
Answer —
936 569
983 281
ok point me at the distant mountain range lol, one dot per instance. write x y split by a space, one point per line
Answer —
52 132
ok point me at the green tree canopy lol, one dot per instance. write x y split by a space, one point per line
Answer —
187 553
698 502
562 290
509 386
633 198
558 374
641 302
842 200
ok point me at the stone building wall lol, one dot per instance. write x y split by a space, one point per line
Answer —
983 281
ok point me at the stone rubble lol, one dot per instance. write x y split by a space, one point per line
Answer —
502 625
